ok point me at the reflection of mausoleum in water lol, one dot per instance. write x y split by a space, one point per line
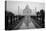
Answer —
27 11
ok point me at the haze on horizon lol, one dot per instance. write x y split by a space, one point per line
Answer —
12 6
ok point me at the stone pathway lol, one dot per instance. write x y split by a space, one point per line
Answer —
27 23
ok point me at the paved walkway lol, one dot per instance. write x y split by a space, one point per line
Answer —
27 23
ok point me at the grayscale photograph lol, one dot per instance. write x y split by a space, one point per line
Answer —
21 15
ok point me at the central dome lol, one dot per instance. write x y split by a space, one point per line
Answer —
27 10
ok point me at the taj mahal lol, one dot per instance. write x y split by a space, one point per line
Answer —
27 11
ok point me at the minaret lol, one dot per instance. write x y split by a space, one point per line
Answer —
18 10
35 10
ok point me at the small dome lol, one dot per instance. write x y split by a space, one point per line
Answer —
27 6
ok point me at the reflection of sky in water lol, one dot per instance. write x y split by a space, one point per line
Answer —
13 6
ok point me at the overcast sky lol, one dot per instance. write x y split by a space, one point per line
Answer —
13 6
